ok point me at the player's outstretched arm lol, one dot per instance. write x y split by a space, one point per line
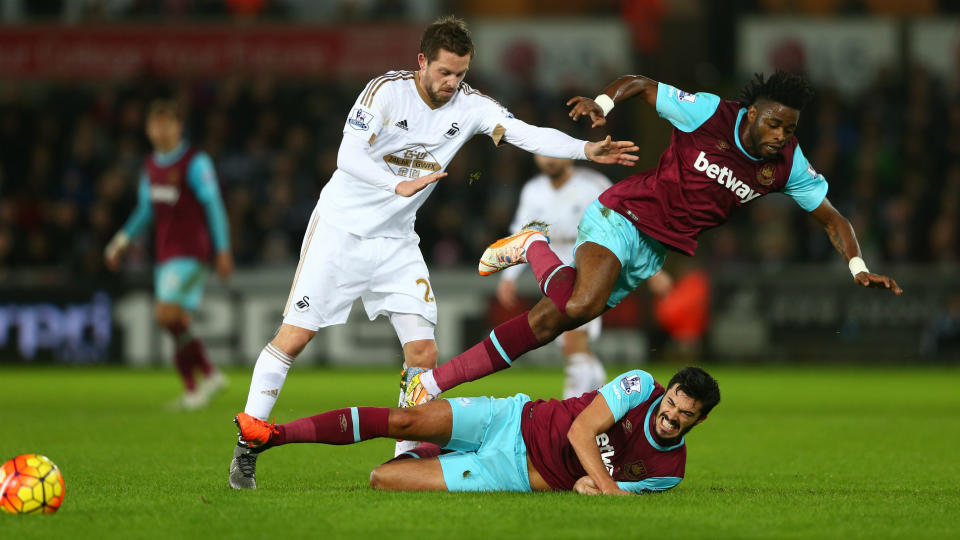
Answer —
844 239
623 88
611 152
595 419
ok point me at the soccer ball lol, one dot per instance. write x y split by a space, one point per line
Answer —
30 484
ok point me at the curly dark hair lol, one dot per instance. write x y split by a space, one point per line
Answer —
699 385
448 33
786 88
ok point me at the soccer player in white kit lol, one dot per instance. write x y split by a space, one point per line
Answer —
558 197
399 136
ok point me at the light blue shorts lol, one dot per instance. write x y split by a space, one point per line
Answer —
490 453
640 255
180 281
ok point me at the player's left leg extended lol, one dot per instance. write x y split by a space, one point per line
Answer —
431 422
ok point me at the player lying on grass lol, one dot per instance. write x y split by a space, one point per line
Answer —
626 437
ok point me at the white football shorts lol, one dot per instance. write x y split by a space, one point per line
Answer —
337 267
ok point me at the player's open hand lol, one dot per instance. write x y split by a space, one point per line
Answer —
583 106
612 152
876 281
409 188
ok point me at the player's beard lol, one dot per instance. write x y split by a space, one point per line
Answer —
438 98
671 441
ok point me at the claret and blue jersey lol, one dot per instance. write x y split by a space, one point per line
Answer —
629 450
179 194
706 174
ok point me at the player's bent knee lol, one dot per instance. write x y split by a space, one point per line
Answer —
292 339
168 315
581 310
547 322
378 478
421 353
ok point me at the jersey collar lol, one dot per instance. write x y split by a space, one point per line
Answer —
165 159
650 438
423 95
736 135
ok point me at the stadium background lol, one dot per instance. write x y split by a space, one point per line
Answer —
268 82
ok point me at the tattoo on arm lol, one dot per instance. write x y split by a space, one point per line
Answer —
837 240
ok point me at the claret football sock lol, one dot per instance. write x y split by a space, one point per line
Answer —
340 426
556 279
505 343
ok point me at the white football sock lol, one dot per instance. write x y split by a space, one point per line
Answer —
268 377
429 383
533 238
584 373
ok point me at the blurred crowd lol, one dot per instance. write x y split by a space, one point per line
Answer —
70 156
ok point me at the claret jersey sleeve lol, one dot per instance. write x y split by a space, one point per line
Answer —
627 391
685 111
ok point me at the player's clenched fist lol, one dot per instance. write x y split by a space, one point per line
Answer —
583 106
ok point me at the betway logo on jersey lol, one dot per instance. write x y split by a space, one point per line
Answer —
725 178
606 451
164 194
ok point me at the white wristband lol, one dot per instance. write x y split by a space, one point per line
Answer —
857 265
605 103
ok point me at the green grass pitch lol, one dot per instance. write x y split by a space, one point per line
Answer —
789 453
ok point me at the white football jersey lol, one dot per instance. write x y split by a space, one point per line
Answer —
560 208
408 139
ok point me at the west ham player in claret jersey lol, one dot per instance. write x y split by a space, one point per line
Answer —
627 437
722 156
179 194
